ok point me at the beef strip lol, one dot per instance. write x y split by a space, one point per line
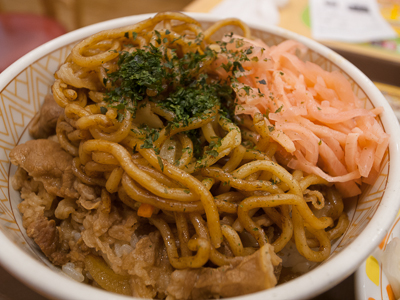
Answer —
253 274
47 162
44 123
149 266
45 234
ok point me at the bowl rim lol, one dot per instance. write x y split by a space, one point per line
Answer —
37 275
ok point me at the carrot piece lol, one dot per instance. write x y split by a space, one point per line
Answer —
145 210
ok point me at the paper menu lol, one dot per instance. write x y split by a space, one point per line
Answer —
250 11
352 21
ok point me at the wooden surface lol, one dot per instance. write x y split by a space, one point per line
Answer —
12 289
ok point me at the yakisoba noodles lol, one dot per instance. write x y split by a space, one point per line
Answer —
184 168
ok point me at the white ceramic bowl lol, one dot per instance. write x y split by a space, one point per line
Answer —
24 85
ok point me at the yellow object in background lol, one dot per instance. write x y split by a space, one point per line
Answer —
372 269
395 12
391 12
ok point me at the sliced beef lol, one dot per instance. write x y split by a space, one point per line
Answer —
253 274
47 162
44 123
45 234
149 266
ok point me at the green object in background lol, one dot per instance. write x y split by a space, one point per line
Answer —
305 16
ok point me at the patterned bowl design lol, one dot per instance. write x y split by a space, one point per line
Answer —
22 90
370 281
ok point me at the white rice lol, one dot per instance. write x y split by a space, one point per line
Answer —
75 274
134 241
76 235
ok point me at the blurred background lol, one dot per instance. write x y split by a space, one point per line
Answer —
73 14
26 24
374 48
